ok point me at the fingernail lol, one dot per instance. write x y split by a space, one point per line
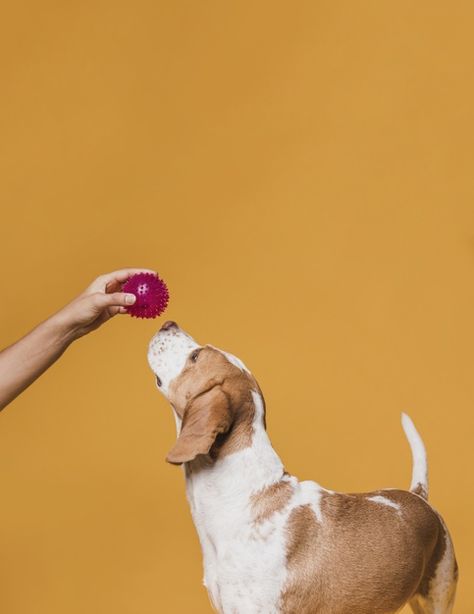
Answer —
130 299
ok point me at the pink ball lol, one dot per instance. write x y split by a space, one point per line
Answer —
151 292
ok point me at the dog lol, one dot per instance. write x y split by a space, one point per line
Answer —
272 544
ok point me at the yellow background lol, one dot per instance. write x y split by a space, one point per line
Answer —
301 175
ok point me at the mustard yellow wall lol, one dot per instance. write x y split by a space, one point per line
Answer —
301 175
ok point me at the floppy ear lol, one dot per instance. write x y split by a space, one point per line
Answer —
204 418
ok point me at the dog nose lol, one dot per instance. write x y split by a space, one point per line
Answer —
169 324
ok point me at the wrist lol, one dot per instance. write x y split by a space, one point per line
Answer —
59 330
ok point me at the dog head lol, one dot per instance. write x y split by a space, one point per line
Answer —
210 391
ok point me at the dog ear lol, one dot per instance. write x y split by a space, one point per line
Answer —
204 418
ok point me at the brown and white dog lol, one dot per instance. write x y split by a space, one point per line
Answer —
273 544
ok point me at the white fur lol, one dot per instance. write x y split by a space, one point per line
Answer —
384 501
167 353
240 574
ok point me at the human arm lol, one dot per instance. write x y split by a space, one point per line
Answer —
25 360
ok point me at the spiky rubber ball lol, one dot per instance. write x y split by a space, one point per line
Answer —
151 292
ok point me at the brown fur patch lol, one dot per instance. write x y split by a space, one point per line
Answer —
213 370
302 593
432 563
270 500
206 416
363 558
420 489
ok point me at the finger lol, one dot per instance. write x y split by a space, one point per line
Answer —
113 286
114 310
113 281
116 299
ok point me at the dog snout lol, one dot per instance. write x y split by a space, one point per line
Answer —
169 324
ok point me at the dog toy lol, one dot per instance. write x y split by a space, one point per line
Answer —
151 292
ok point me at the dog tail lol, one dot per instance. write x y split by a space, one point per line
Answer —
419 478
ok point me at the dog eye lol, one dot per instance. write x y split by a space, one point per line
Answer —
158 381
194 355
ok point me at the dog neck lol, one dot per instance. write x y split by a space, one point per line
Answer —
221 483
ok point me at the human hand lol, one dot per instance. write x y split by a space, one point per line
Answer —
102 300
